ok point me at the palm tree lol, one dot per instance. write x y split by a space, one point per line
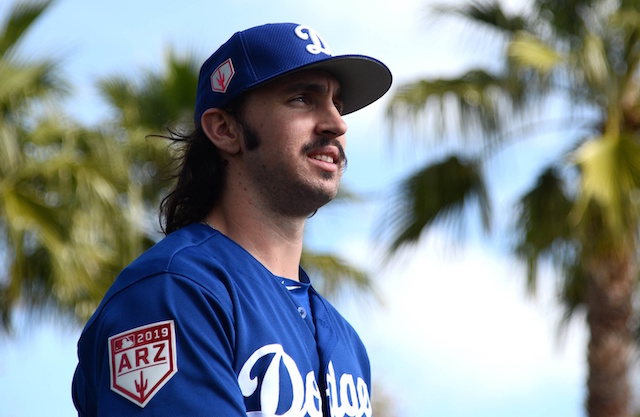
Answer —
582 212
23 192
62 191
145 109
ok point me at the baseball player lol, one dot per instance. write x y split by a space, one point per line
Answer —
218 318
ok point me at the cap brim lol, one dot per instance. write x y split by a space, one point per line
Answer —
362 79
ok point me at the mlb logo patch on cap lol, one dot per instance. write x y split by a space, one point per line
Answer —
221 76
142 360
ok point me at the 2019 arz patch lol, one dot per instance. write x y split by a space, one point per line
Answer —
142 360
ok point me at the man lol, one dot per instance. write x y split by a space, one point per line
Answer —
218 319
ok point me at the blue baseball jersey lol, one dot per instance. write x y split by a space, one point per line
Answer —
196 326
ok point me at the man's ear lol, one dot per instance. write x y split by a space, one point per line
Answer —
222 130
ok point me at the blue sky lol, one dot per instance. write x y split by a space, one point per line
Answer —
456 335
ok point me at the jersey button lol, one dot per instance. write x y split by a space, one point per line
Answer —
303 312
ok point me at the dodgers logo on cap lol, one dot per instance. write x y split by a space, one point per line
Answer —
317 44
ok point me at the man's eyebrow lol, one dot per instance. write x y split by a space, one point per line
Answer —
312 87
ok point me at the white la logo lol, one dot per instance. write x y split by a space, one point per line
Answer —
318 44
270 393
346 396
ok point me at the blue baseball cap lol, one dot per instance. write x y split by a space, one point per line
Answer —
260 54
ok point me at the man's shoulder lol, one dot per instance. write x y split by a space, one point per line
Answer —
183 243
194 256
181 264
193 246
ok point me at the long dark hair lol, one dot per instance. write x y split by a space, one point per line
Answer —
199 175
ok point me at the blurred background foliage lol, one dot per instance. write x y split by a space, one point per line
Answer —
581 213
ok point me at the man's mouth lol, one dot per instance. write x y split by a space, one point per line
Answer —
327 150
325 158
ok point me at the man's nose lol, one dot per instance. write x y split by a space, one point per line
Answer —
331 123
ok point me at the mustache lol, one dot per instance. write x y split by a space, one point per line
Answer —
324 141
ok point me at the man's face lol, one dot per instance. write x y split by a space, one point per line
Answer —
299 160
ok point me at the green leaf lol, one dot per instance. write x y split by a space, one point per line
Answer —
528 51
21 16
610 170
438 193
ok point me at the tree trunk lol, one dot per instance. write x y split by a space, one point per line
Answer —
611 279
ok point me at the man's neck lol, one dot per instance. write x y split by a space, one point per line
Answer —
274 241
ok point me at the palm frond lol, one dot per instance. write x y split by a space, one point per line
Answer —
542 225
20 18
529 51
489 14
438 193
24 211
156 100
573 289
117 91
566 19
610 169
333 275
594 63
25 82
470 106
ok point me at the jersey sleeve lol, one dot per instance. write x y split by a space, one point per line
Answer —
161 347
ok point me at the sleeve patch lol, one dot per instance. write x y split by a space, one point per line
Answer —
142 360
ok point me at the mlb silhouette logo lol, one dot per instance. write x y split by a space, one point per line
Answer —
142 360
222 76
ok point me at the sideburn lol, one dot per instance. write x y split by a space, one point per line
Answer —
251 139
